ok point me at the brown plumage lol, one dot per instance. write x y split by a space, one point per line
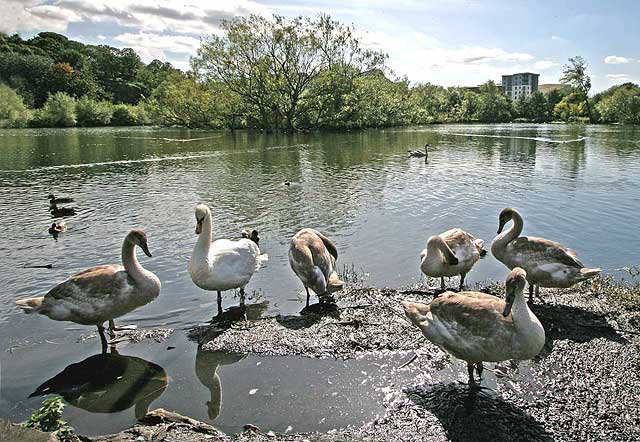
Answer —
477 327
312 257
547 263
101 293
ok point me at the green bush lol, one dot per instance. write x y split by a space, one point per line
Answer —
13 112
49 418
123 116
129 115
93 113
58 111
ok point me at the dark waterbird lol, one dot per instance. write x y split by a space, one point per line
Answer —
419 153
58 212
53 200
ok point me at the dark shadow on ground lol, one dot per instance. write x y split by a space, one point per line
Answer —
474 415
227 319
310 315
573 323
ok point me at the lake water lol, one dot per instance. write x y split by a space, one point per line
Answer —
579 185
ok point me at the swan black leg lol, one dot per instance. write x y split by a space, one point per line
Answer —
479 369
308 296
472 381
219 302
242 295
462 275
442 283
530 293
112 329
103 338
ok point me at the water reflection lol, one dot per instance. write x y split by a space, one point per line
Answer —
207 364
108 383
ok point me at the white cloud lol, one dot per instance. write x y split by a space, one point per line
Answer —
614 59
618 77
196 17
544 64
150 46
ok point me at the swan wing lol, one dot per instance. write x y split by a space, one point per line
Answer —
96 282
472 314
540 250
461 243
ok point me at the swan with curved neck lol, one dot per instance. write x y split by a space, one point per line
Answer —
312 257
101 293
547 263
451 253
419 153
223 264
477 327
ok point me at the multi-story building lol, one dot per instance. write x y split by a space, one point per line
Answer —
519 85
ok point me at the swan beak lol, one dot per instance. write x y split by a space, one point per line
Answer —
198 227
145 249
502 223
508 303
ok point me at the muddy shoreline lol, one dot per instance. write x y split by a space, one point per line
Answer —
584 385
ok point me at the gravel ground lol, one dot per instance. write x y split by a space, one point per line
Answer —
584 385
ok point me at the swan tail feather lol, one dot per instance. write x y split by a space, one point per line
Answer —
479 243
30 305
335 283
589 273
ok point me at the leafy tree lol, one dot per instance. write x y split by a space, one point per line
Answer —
575 74
183 101
571 108
493 106
13 112
271 64
621 105
151 76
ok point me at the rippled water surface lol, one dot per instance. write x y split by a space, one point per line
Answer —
574 184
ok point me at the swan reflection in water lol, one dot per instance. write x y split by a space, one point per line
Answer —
207 362
108 383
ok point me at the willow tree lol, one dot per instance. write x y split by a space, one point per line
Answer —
575 75
272 63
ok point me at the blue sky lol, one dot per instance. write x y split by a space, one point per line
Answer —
454 42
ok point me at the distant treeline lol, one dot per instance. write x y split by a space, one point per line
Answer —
274 74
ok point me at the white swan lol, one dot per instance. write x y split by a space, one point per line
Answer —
451 253
547 263
223 264
477 327
101 293
312 257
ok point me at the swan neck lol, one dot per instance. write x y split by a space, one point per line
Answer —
130 261
514 231
206 236
440 246
520 311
